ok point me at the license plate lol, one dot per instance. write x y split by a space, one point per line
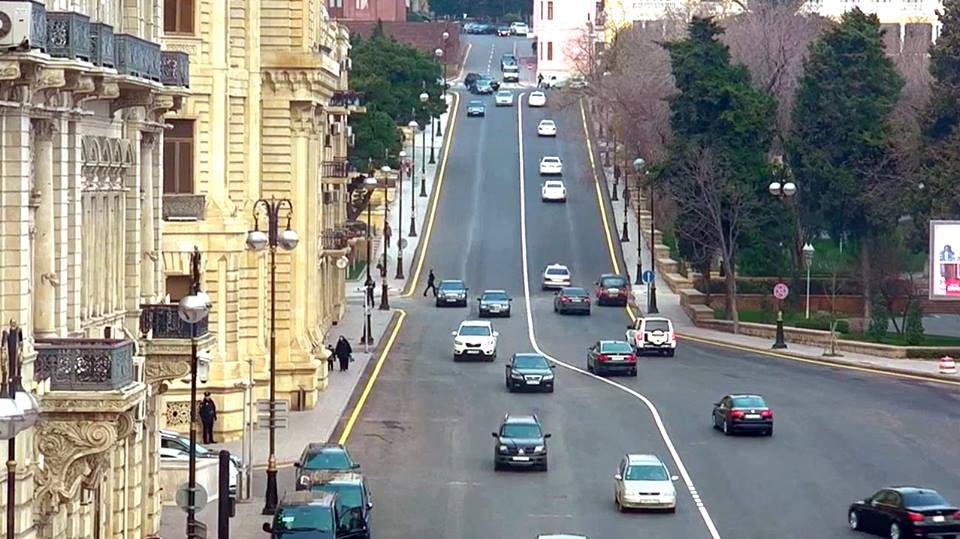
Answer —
473 351
451 300
616 358
533 382
752 416
613 291
576 300
648 501
938 518
522 459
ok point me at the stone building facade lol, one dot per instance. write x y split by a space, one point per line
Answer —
84 91
267 119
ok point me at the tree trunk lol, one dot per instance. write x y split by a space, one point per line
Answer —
730 278
865 277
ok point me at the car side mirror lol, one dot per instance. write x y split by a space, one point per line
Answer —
454 333
355 466
674 478
618 477
496 333
548 435
553 366
296 464
267 527
369 505
495 435
716 404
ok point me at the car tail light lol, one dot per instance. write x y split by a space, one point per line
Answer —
564 299
603 357
956 516
632 357
736 414
673 336
767 414
915 517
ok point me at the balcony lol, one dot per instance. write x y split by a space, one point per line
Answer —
335 169
346 98
162 321
186 207
84 364
68 35
101 44
175 68
166 342
137 57
334 239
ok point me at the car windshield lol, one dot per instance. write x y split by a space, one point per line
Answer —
556 271
646 472
613 282
574 292
923 498
520 430
303 518
618 347
655 325
530 362
476 103
349 495
504 94
495 296
329 459
451 285
475 331
748 402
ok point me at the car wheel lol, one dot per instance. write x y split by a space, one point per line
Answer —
456 357
853 520
543 467
552 388
895 531
670 353
589 367
672 509
510 387
769 431
713 419
497 466
633 372
726 427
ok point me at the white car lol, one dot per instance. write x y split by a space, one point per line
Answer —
504 98
519 29
176 447
653 334
537 99
556 276
551 165
553 191
643 482
475 338
547 128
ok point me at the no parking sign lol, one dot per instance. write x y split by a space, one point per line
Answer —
781 291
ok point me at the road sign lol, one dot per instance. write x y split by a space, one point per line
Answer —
403 243
199 497
781 291
280 419
647 277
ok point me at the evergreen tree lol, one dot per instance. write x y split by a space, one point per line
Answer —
913 326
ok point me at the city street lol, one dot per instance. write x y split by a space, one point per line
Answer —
424 434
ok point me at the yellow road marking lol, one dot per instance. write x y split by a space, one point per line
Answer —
373 378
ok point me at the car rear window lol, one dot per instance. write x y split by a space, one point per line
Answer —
574 292
556 271
646 472
923 498
615 348
654 325
531 362
349 495
475 331
613 282
748 402
310 517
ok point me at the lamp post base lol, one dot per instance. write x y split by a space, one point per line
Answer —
270 499
652 302
639 279
399 274
615 192
413 227
780 343
423 186
367 337
625 235
384 301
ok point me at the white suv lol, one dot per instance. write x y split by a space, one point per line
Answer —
475 338
653 334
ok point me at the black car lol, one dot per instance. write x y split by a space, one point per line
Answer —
318 457
484 86
470 80
520 442
905 512
743 413
487 29
606 357
315 515
452 292
503 31
571 300
612 289
494 303
529 371
353 496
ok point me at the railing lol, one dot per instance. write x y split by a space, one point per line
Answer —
184 207
334 239
346 98
335 169
101 45
137 57
38 26
68 35
162 321
175 68
84 364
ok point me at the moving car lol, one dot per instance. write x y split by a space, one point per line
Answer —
652 334
476 108
318 457
905 512
503 31
507 59
553 191
571 300
511 73
475 338
547 128
451 292
643 482
314 515
741 413
470 80
550 165
353 496
537 99
482 86
520 442
519 29
612 289
494 303
504 98
529 371
606 357
556 276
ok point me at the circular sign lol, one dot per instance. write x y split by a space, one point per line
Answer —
647 276
342 262
403 243
781 291
183 497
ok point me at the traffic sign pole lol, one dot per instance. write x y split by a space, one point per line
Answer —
780 291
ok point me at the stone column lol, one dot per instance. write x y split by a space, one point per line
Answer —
44 259
147 237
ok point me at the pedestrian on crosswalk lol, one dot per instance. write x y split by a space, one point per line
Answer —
431 284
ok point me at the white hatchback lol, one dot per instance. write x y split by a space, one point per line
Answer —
643 482
551 165
556 276
547 128
537 99
553 191
475 338
504 98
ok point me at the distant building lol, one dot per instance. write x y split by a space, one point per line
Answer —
564 30
370 10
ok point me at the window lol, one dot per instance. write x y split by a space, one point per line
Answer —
549 51
550 11
178 16
541 10
178 158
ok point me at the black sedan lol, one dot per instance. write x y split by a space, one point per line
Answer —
452 292
571 300
905 512
470 80
503 31
743 413
494 303
611 356
529 371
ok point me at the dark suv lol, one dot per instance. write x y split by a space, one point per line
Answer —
520 442
313 514
317 457
353 496
612 289
529 371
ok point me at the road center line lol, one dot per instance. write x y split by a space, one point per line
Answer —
684 474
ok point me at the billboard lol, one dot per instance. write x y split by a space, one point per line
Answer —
945 260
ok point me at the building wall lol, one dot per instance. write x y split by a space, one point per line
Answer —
368 10
564 31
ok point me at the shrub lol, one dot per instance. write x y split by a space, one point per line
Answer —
823 323
913 327
879 321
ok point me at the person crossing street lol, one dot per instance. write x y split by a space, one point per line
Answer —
431 284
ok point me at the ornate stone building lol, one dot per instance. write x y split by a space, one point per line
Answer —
84 90
267 118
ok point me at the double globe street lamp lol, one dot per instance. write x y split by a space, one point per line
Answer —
425 98
639 165
384 301
782 190
401 240
413 177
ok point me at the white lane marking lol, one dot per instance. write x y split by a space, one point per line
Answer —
684 474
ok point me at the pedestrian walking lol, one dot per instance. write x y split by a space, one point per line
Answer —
208 416
540 80
330 358
387 234
343 352
431 284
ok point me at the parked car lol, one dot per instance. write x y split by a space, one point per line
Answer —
503 31
905 512
475 338
743 413
652 334
353 497
571 300
519 29
322 456
643 482
176 447
529 371
606 357
612 289
520 441
314 515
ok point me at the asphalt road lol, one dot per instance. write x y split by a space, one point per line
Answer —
424 436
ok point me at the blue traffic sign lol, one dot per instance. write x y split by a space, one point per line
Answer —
647 277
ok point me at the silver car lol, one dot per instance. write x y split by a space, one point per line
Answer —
643 482
504 98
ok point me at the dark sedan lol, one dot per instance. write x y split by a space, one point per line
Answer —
611 356
494 303
484 86
612 289
571 300
452 292
470 80
529 371
743 413
905 512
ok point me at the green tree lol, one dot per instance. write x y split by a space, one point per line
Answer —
376 137
913 327
840 147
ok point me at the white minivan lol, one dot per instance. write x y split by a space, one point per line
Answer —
519 29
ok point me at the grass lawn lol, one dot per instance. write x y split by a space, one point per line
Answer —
900 340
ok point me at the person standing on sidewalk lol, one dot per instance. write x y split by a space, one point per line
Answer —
208 415
387 234
332 355
431 284
343 353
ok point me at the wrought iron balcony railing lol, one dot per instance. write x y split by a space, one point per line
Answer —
334 239
335 169
346 98
84 364
175 68
185 207
137 57
101 45
68 35
162 321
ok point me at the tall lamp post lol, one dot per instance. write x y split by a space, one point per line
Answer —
18 412
258 240
413 178
384 301
434 124
783 191
403 165
193 309
652 298
424 98
808 251
369 186
443 65
638 166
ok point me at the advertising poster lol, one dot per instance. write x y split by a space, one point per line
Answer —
945 260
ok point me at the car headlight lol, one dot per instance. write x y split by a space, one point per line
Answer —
548 377
538 449
502 448
516 375
457 342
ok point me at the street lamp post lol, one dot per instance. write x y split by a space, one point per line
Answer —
638 166
652 299
783 191
258 240
616 169
18 412
434 121
369 186
424 98
413 178
625 235
384 301
443 65
192 309
400 240
808 251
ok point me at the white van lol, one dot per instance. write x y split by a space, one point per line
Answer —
519 29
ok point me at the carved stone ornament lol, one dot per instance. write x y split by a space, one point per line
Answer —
163 369
9 70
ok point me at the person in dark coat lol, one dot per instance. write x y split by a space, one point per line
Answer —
387 233
431 284
343 352
330 358
208 415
